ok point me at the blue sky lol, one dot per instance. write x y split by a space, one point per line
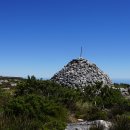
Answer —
38 37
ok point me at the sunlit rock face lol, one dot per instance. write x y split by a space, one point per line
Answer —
80 73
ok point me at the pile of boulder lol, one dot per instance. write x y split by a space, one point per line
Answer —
80 73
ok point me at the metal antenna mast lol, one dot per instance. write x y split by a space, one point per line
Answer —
81 52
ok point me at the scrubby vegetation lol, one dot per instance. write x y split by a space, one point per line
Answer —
120 123
97 127
45 105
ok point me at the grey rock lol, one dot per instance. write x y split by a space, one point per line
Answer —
80 72
88 124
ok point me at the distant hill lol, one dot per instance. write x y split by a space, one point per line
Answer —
126 81
9 82
9 77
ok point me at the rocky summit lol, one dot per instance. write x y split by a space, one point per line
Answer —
80 73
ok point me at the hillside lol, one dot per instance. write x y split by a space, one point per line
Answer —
45 105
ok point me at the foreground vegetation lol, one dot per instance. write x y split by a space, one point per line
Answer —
43 105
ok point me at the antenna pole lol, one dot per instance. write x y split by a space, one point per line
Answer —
81 52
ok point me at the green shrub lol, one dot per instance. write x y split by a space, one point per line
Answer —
61 94
116 110
4 98
34 106
37 108
25 123
103 96
121 123
96 114
54 125
88 111
97 127
82 109
19 123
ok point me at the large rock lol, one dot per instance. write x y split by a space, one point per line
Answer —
80 73
88 124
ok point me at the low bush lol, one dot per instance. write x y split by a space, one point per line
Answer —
97 127
121 123
62 94
90 112
37 108
19 123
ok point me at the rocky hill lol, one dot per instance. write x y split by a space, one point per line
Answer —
80 73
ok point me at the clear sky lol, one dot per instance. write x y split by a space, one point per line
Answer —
38 37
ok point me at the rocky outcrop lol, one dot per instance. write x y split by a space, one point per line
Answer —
88 124
80 73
